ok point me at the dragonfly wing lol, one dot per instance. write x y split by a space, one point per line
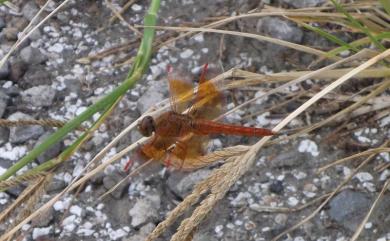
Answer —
187 152
208 100
181 91
156 148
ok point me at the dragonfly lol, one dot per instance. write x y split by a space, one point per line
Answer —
179 137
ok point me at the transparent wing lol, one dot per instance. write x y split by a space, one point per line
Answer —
181 91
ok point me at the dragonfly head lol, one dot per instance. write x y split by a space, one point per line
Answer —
147 126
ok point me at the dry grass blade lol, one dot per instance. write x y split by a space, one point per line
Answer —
34 198
298 47
12 182
28 192
234 170
299 78
119 16
124 8
336 190
199 189
338 116
361 226
43 122
357 155
270 209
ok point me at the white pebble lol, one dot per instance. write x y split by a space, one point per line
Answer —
292 201
309 146
136 7
56 48
186 53
364 176
38 232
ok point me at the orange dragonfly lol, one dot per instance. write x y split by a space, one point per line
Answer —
179 139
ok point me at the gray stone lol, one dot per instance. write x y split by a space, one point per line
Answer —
19 134
32 55
2 23
12 91
52 152
280 29
39 96
144 231
3 102
145 209
56 185
303 3
4 70
4 135
348 208
35 35
97 179
288 159
37 75
11 33
5 163
17 70
153 95
117 210
111 180
182 184
44 219
29 10
203 236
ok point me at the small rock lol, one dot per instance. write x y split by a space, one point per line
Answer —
11 33
348 208
4 70
182 184
29 10
144 231
303 4
288 159
281 219
35 35
32 55
12 91
153 95
4 135
52 152
280 29
56 185
3 102
111 180
203 236
2 23
5 164
39 96
17 70
19 134
276 187
97 179
145 209
44 219
36 75
42 233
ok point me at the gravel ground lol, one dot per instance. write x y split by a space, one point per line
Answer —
45 79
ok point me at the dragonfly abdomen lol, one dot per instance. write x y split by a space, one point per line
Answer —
205 127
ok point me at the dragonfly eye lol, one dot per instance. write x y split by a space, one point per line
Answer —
147 126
